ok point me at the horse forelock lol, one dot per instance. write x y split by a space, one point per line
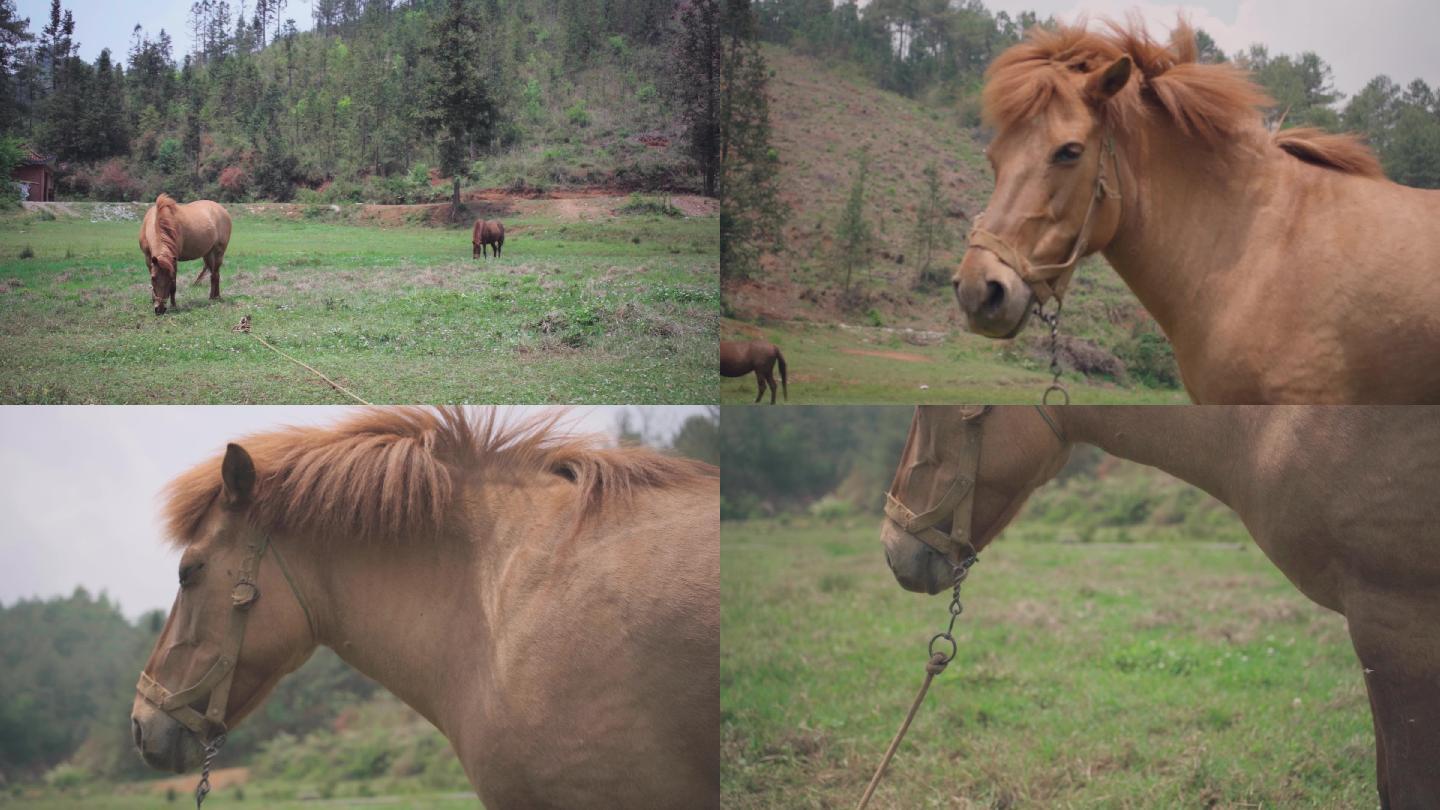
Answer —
1209 102
388 473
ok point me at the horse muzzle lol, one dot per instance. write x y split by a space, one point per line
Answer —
994 299
916 566
162 742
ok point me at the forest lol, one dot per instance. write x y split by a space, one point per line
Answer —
385 101
68 666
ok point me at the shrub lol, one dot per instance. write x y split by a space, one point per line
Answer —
577 115
64 777
114 183
831 508
28 252
233 183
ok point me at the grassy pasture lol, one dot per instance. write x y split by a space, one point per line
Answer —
1089 675
598 309
869 365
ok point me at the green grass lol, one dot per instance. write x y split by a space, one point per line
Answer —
962 368
56 800
1089 675
622 309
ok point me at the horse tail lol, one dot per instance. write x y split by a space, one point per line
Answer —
203 271
784 384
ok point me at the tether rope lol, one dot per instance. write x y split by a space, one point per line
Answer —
244 327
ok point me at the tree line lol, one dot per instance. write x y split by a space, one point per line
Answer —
380 100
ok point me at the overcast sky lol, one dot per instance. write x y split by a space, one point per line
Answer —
1359 40
78 488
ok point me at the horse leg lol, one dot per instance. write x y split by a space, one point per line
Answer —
1398 642
759 381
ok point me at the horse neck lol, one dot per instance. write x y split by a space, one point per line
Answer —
1199 444
398 613
1187 210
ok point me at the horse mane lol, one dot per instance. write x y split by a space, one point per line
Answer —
1212 103
392 471
167 223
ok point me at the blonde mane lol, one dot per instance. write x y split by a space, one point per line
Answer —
167 224
1211 103
394 471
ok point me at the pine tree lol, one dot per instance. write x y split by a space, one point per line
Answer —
853 237
695 75
931 235
751 213
13 35
457 102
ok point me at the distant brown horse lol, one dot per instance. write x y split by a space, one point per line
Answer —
1341 499
740 358
173 233
551 605
487 232
1282 265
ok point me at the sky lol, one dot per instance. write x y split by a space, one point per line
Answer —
1359 40
79 486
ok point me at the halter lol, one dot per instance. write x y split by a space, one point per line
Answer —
958 503
216 681
1051 280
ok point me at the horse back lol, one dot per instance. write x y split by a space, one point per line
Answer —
491 231
203 225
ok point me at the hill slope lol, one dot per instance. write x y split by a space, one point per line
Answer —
823 115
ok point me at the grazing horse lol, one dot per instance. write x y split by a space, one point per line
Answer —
1342 501
487 232
739 358
173 233
552 606
1282 265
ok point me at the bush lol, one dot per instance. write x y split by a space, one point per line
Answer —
233 183
1149 357
64 777
274 177
638 204
114 183
577 115
831 508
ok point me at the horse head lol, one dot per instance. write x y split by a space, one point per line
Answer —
949 500
1056 185
206 672
163 270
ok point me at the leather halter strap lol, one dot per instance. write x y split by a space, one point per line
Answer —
215 683
1051 280
958 503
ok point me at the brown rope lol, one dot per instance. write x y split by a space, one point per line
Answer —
244 326
933 667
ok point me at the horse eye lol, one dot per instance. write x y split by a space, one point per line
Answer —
188 572
1069 153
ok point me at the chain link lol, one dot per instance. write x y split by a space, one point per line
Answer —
202 790
961 572
1052 319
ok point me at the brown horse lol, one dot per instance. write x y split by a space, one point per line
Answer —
172 233
1283 266
1341 500
487 232
550 605
739 358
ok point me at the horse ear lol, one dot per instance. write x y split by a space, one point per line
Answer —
1104 84
237 474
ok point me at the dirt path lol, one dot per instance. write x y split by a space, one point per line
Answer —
905 356
221 778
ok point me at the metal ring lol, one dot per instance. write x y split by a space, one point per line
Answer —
954 648
1045 398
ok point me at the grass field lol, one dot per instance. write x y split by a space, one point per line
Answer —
1089 675
105 801
614 308
850 364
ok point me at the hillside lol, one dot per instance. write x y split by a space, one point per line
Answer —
823 114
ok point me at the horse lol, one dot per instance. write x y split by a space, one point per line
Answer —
739 358
173 233
1283 266
551 605
1340 499
487 232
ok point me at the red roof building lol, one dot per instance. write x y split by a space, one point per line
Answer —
36 176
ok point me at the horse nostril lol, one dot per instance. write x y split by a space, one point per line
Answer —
994 294
139 735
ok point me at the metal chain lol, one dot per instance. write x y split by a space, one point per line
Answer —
936 665
1052 319
203 789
